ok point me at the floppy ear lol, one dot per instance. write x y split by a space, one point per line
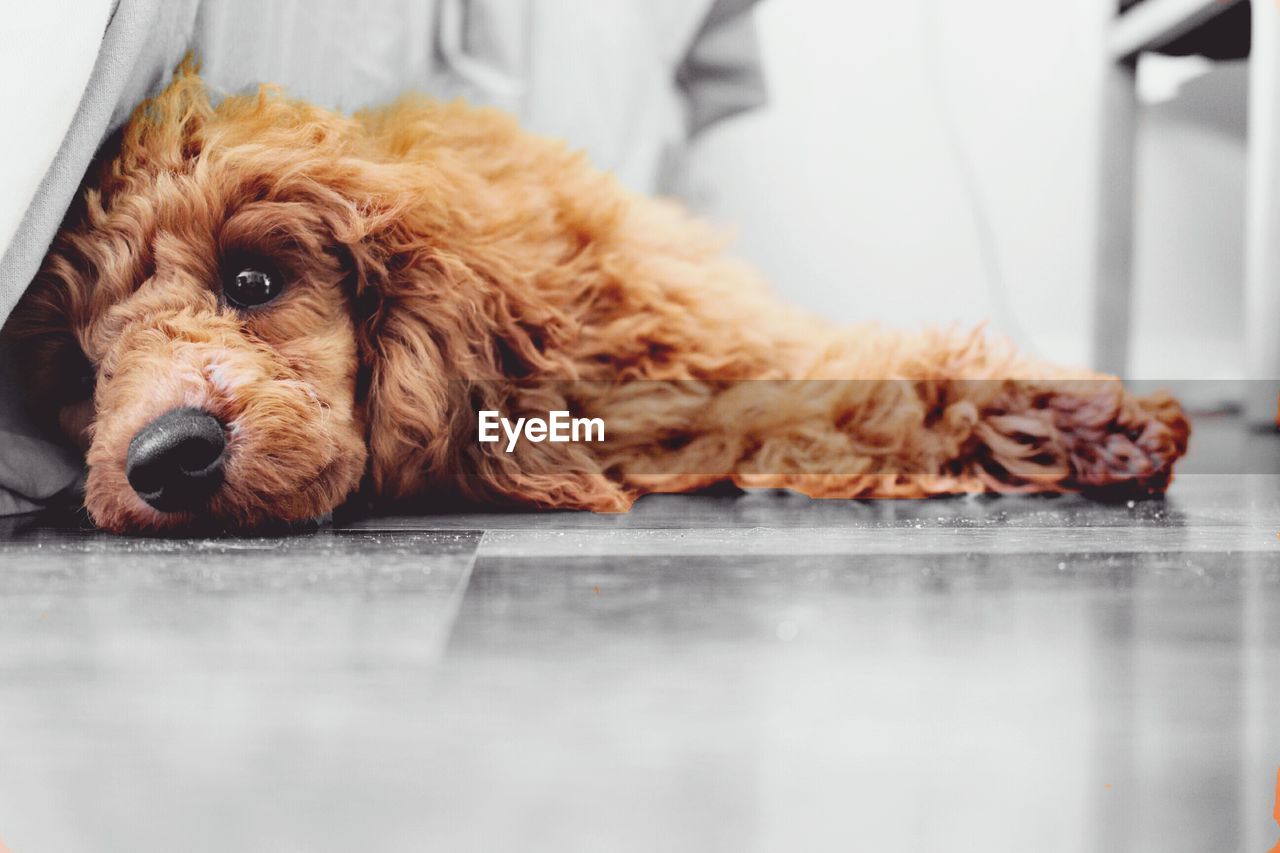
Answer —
467 284
429 354
447 325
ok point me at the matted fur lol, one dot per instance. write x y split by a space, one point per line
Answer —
439 259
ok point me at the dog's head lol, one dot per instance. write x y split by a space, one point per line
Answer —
253 305
195 326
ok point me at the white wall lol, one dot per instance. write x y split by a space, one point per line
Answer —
1189 263
849 191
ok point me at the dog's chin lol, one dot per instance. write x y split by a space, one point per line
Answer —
112 505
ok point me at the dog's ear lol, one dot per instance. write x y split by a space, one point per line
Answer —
164 133
437 345
444 218
416 334
438 313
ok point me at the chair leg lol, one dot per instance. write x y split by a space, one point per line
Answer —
1262 220
1113 275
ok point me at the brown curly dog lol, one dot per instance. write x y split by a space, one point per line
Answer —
259 306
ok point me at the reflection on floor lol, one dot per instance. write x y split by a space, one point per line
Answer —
707 673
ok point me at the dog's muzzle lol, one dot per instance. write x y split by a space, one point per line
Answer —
175 462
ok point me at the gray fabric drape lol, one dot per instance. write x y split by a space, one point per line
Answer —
142 39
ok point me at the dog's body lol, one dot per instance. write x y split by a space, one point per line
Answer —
436 261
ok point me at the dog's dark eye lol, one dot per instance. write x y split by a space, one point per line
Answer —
251 287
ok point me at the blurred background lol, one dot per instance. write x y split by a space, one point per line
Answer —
928 162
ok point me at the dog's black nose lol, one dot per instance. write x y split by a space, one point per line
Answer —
175 462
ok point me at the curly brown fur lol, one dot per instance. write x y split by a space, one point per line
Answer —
441 261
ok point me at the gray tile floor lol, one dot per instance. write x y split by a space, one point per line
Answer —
707 673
